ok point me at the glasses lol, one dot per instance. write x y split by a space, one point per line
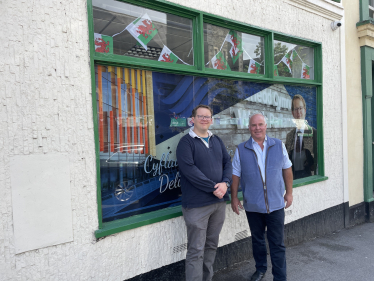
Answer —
202 117
298 108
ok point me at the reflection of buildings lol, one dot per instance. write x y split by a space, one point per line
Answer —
274 102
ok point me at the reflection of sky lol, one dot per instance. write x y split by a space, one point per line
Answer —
249 45
127 9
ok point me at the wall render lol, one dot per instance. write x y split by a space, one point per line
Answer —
46 107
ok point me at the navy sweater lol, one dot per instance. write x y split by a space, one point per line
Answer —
201 168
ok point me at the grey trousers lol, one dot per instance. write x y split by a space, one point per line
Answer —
204 225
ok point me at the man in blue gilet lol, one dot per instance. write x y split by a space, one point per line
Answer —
262 166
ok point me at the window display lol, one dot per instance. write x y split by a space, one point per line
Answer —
142 115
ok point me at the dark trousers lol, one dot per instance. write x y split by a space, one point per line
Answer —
275 232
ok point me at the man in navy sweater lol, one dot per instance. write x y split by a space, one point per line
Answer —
205 168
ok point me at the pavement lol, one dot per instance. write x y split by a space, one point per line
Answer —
344 255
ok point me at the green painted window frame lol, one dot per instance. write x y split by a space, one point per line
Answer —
198 69
367 81
364 12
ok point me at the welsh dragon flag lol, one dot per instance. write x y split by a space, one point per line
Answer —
305 71
288 59
233 38
167 56
219 62
103 43
254 67
276 73
143 30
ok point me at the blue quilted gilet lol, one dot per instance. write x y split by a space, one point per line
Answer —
262 196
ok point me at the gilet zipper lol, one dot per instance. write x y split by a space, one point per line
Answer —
263 182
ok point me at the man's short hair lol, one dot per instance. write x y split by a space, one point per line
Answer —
201 106
256 113
300 97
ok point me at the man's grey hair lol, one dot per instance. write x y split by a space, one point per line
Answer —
256 113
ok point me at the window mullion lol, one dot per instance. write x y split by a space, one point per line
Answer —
269 55
198 33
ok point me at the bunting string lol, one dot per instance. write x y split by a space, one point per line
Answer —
217 59
284 59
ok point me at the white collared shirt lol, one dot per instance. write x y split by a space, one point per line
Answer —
301 135
261 158
193 134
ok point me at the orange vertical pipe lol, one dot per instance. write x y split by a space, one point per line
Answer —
111 131
133 111
101 117
145 113
128 109
141 150
119 92
113 89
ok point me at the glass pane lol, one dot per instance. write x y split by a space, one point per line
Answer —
293 60
142 115
301 141
129 30
231 50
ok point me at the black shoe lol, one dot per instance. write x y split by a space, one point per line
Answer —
257 276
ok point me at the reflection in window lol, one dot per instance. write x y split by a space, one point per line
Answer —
142 115
129 30
293 60
227 49
301 142
371 8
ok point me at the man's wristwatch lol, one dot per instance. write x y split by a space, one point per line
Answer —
228 184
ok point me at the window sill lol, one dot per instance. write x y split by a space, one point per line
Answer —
308 180
110 228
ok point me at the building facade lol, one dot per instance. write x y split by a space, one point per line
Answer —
95 96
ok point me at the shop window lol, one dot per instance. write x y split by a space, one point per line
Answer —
227 49
292 60
142 115
128 30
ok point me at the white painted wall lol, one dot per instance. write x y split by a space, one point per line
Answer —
46 108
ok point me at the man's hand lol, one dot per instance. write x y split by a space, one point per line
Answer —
221 189
288 198
288 179
235 205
